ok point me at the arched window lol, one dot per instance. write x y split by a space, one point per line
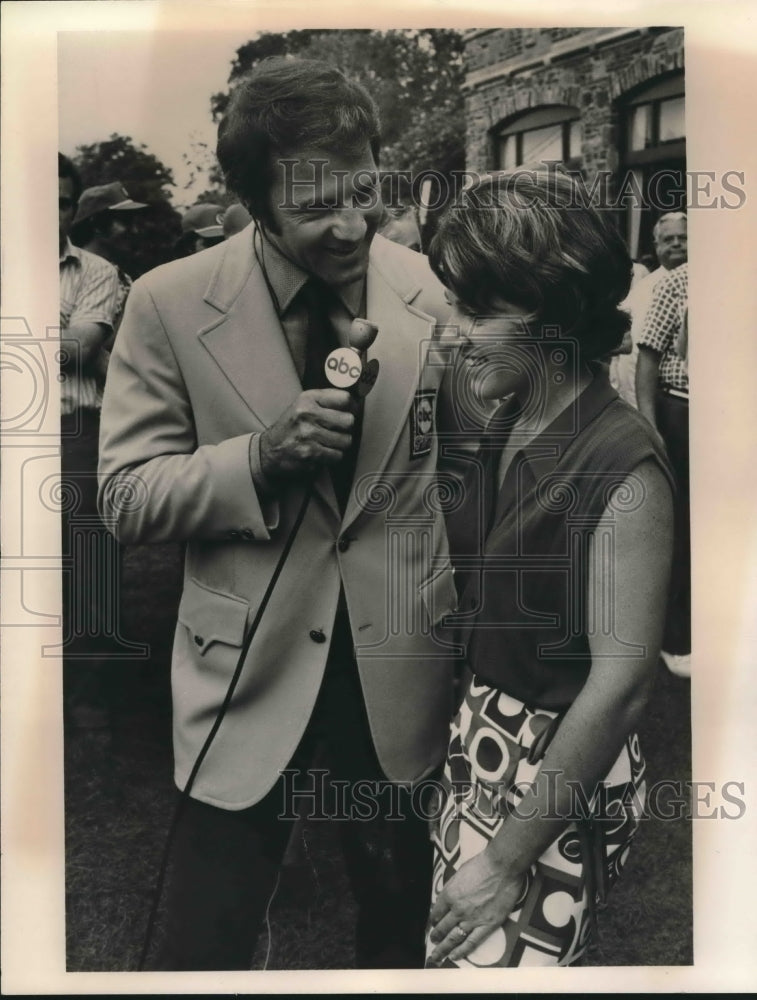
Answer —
552 132
653 156
655 126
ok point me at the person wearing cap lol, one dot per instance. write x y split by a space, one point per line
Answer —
399 222
402 227
103 225
235 219
201 228
219 414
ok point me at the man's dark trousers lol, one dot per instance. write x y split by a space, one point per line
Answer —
225 863
672 416
93 677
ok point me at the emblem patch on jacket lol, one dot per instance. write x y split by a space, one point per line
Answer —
422 422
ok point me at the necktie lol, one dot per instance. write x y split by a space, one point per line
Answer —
321 337
321 340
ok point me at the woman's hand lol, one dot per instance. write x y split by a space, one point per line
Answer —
476 900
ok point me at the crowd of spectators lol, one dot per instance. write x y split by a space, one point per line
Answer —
654 377
95 229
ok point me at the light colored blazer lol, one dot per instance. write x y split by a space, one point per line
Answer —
201 365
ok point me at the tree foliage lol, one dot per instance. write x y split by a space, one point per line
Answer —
415 77
146 179
201 166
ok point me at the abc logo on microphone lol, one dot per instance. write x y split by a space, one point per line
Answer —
343 367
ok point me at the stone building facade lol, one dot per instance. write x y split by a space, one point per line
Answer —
606 101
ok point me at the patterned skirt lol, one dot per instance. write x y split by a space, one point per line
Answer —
495 751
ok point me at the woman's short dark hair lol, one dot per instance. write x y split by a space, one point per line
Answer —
283 106
530 238
67 170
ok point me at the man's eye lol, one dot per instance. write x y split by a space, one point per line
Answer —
466 310
459 306
311 212
365 197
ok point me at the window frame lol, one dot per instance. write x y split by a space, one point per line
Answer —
634 218
532 120
654 96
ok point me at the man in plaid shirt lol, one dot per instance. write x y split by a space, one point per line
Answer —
90 298
662 390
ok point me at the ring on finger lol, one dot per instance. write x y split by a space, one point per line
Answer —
459 932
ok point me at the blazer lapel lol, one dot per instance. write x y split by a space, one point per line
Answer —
247 341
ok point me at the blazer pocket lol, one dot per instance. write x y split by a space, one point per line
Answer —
438 594
212 615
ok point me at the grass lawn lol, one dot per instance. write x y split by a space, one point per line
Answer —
119 796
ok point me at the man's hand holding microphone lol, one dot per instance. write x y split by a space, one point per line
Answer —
316 429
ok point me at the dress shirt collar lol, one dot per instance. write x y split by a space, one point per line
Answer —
70 252
287 278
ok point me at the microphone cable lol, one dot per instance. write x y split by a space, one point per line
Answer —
365 333
184 795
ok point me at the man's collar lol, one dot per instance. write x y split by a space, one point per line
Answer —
70 252
287 278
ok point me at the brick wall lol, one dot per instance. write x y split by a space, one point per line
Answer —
499 45
590 79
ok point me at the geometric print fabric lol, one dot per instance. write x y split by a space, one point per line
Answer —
491 760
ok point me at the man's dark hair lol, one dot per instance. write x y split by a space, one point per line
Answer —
281 107
66 169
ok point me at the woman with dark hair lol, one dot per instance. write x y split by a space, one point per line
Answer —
561 538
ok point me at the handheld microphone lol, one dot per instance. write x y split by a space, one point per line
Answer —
362 334
347 367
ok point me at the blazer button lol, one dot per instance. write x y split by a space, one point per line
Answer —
199 640
344 543
317 635
247 534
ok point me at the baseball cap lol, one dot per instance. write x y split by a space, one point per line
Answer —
235 219
111 197
205 220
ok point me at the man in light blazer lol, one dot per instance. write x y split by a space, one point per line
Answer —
211 436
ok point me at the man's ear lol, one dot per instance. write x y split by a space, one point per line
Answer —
264 221
262 214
